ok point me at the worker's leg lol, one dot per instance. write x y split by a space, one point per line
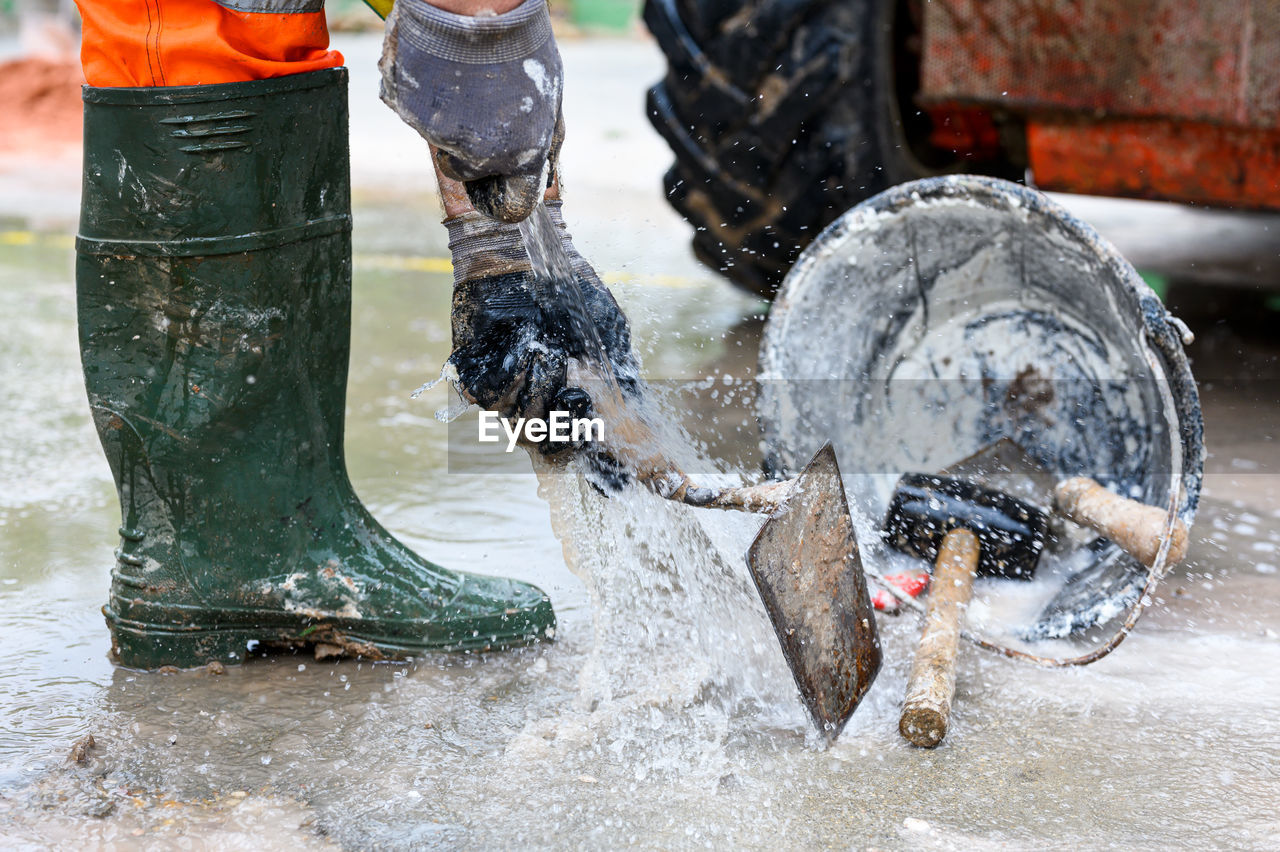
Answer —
214 302
199 42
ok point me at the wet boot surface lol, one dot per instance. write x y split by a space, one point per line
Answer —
214 302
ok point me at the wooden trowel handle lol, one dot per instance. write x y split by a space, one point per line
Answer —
1135 527
927 708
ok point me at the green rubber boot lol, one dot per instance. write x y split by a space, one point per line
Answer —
214 297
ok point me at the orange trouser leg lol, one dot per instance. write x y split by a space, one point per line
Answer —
191 42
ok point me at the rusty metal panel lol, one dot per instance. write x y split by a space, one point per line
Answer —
1263 93
1203 60
1190 162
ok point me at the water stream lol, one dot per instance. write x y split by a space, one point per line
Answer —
556 283
681 644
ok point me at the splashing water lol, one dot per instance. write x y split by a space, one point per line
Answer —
683 655
554 282
682 646
546 252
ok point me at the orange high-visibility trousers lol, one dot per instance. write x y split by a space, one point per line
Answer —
191 42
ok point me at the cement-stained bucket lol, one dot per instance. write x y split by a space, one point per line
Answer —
944 314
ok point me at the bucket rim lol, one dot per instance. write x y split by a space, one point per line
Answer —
1164 333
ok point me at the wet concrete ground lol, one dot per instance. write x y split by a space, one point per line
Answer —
1170 741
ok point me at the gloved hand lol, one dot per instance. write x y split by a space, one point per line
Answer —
485 91
512 346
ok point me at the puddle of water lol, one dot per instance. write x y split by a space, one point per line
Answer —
662 716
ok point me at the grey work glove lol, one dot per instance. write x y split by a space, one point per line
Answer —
485 91
512 345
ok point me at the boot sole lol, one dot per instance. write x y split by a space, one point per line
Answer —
147 647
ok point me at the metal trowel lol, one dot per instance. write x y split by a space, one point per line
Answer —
807 568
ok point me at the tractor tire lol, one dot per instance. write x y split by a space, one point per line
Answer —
782 114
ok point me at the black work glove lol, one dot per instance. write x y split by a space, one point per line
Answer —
485 91
512 345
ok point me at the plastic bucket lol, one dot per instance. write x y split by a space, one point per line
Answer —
944 314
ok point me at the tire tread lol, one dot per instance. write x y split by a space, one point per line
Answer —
765 106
